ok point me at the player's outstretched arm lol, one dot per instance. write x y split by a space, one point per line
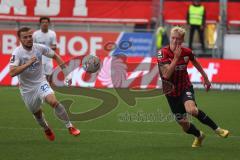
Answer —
59 60
206 82
67 74
15 70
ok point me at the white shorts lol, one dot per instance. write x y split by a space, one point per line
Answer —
34 99
47 68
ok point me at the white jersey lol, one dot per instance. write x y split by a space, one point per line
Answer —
32 76
47 39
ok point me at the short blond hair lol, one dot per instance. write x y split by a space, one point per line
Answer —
179 30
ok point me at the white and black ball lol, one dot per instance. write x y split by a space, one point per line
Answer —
91 63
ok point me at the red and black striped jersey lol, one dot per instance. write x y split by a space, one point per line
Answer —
179 78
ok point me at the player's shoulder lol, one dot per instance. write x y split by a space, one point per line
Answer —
37 32
38 46
186 50
17 50
51 32
165 50
162 53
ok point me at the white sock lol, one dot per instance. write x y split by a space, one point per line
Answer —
62 115
42 122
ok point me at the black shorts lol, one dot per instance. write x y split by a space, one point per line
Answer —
177 103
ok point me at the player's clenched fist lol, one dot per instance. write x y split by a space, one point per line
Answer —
32 60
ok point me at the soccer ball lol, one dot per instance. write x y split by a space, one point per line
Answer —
91 64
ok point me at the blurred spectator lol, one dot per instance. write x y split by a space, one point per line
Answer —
161 38
140 27
46 37
196 18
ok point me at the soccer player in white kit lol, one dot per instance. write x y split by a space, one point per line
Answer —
26 63
46 37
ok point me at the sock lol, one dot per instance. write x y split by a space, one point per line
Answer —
193 130
202 117
42 122
217 128
62 115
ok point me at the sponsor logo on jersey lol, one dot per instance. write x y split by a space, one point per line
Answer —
160 55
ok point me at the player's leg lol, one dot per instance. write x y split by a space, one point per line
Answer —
180 114
39 117
201 37
46 93
33 103
191 108
203 118
191 129
61 113
191 35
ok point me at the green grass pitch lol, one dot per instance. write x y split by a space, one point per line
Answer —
113 136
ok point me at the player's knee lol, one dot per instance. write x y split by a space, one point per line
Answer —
192 109
53 103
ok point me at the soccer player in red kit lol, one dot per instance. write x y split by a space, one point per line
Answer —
173 61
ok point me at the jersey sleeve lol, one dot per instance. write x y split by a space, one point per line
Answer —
162 58
46 51
14 60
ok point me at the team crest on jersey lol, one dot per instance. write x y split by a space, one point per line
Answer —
186 58
160 55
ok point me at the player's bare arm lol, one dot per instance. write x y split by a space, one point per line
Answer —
67 74
59 60
168 69
15 70
206 82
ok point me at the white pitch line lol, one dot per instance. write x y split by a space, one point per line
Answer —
115 131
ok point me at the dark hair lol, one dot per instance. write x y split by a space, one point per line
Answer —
44 18
23 29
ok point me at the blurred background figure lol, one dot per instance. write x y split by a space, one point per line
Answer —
196 18
46 37
161 38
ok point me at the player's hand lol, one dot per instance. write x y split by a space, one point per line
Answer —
207 84
32 60
68 80
177 52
